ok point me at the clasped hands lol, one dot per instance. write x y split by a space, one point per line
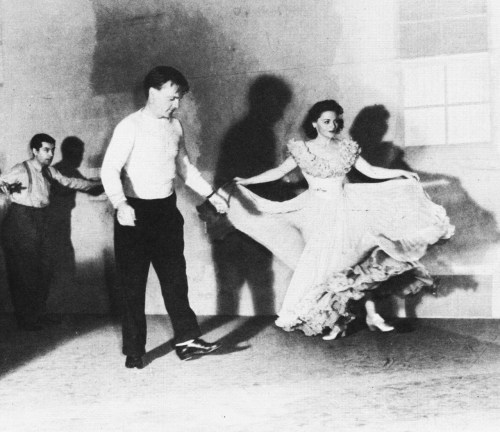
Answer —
219 203
409 175
242 181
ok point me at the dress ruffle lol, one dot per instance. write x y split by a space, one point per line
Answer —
337 165
328 302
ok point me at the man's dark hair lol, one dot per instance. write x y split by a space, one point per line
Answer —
38 139
159 75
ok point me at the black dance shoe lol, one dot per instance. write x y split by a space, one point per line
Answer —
134 362
196 348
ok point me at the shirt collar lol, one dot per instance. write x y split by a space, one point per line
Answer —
36 167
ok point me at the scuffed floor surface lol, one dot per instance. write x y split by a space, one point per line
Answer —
444 375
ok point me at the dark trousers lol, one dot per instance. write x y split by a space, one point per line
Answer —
27 259
158 239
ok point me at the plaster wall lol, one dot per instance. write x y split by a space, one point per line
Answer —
74 68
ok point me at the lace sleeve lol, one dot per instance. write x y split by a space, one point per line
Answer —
351 150
293 148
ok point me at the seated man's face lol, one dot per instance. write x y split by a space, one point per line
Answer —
45 154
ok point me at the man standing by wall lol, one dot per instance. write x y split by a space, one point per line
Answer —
24 233
145 153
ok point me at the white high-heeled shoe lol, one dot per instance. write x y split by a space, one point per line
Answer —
376 322
336 332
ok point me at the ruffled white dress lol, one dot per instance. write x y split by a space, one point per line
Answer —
340 239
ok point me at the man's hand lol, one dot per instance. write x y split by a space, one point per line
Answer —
219 203
4 187
125 214
242 181
410 175
97 188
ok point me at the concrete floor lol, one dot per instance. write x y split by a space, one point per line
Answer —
437 375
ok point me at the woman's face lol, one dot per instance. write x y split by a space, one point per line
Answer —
326 125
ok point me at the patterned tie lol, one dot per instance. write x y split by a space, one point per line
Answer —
47 174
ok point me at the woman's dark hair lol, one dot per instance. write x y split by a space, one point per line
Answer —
315 113
38 139
159 75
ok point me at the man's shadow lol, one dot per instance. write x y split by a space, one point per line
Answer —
248 148
234 341
476 227
62 203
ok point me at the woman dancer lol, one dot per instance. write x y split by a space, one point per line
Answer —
342 240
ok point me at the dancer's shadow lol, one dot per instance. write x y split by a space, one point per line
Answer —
368 130
248 148
476 228
62 203
235 341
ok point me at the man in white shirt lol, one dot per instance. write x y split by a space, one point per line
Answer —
145 153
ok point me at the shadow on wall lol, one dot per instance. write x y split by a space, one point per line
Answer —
248 148
132 39
476 228
66 272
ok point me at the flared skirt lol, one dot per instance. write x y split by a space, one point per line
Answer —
342 244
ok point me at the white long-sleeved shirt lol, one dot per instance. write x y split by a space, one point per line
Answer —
143 157
37 194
